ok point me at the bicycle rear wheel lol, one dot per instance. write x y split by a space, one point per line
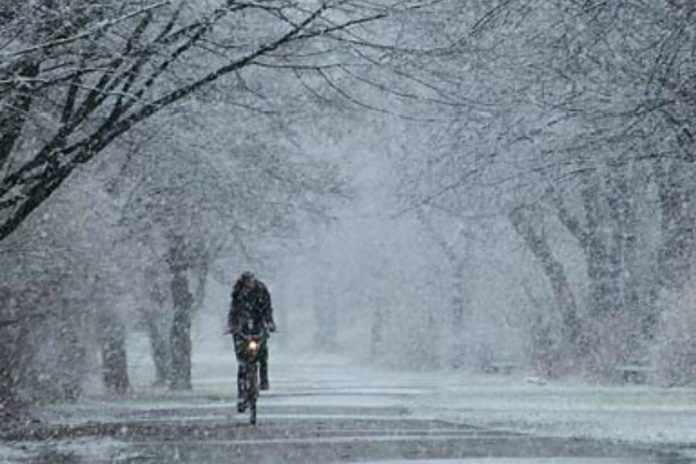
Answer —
253 391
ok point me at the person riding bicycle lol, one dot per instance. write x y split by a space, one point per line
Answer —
251 310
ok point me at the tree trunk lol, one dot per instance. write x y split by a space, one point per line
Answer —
459 352
608 237
379 323
549 357
323 308
457 312
161 352
114 357
678 207
184 257
8 348
605 326
325 335
20 325
12 342
15 110
71 357
157 326
181 334
626 265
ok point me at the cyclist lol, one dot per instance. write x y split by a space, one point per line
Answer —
250 311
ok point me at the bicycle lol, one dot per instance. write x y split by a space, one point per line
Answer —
253 346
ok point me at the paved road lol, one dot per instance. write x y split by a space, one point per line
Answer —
337 418
208 433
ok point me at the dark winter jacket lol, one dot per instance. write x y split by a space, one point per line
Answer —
251 309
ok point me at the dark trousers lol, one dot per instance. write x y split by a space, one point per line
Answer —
242 365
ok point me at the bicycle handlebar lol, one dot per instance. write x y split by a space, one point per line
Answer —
248 336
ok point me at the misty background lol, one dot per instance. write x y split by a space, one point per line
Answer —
420 184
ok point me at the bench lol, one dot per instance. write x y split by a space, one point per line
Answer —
633 373
500 367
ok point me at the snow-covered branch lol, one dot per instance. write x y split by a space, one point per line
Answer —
92 30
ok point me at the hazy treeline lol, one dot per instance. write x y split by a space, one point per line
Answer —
537 160
574 133
541 154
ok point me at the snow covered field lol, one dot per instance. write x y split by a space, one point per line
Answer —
640 414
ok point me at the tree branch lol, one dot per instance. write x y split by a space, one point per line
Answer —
96 29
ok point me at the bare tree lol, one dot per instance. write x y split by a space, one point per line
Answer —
116 70
568 106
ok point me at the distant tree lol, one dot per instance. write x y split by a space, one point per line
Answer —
459 314
576 107
24 305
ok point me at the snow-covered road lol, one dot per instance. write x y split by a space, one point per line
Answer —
329 409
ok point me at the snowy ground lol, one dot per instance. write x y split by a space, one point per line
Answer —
635 414
638 414
326 390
